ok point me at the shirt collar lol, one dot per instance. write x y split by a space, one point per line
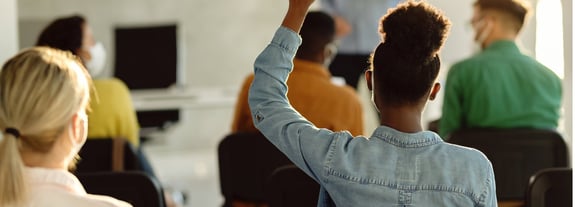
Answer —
55 177
406 140
506 45
304 66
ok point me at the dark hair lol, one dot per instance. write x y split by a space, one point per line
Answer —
64 33
518 9
317 31
406 63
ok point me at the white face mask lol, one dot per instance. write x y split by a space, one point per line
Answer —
483 30
95 65
330 52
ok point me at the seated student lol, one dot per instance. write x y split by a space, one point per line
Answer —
44 95
400 164
311 91
500 87
112 111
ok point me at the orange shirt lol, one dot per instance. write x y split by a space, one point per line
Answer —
313 95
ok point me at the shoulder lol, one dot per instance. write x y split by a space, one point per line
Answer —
62 198
470 154
345 93
467 64
103 201
110 82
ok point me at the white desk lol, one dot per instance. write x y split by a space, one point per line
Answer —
183 99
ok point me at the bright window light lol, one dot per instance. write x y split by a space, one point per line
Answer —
549 36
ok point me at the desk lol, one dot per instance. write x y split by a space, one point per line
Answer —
183 98
205 115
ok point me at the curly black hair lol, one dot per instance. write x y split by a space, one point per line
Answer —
406 62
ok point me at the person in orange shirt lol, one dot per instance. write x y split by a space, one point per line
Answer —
312 93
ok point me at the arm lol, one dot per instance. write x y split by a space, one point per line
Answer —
296 14
296 137
452 113
491 199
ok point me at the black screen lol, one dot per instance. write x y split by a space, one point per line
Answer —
146 57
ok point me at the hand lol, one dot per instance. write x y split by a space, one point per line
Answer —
296 14
302 4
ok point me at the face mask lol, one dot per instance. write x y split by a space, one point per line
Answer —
95 65
483 29
331 51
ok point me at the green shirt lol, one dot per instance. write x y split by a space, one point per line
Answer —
500 88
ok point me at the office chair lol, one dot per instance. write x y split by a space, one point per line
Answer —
109 154
136 188
515 154
551 187
246 160
289 186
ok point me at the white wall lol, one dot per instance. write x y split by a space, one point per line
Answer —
222 38
568 81
9 34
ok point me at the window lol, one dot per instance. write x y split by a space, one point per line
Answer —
549 35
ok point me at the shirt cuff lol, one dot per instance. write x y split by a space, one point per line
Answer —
287 39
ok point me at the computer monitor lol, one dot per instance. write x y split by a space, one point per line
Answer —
147 56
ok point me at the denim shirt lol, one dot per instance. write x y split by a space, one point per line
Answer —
390 168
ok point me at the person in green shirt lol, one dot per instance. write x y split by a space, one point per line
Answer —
500 87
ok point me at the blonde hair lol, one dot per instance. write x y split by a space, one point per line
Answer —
41 89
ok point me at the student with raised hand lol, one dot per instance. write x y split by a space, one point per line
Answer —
44 95
400 164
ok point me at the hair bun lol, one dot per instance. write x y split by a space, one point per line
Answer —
415 29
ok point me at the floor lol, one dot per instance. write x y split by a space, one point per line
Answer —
193 172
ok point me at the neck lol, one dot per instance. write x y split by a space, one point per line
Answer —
498 37
404 118
55 158
43 161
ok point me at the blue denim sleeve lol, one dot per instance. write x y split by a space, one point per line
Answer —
490 194
303 143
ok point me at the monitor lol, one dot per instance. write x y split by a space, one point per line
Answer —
146 57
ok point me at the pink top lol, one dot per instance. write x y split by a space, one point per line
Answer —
60 188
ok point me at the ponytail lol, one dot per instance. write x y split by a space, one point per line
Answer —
12 186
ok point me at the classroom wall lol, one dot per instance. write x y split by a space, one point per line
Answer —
221 39
9 35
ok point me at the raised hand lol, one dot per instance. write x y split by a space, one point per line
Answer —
296 14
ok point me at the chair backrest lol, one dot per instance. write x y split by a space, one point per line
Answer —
108 154
551 187
289 186
515 154
246 160
136 188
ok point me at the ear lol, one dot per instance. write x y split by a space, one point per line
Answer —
368 79
79 127
434 91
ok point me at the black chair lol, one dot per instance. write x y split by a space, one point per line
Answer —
246 160
136 188
289 186
515 154
109 154
551 187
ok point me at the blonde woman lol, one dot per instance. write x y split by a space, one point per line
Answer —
44 94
